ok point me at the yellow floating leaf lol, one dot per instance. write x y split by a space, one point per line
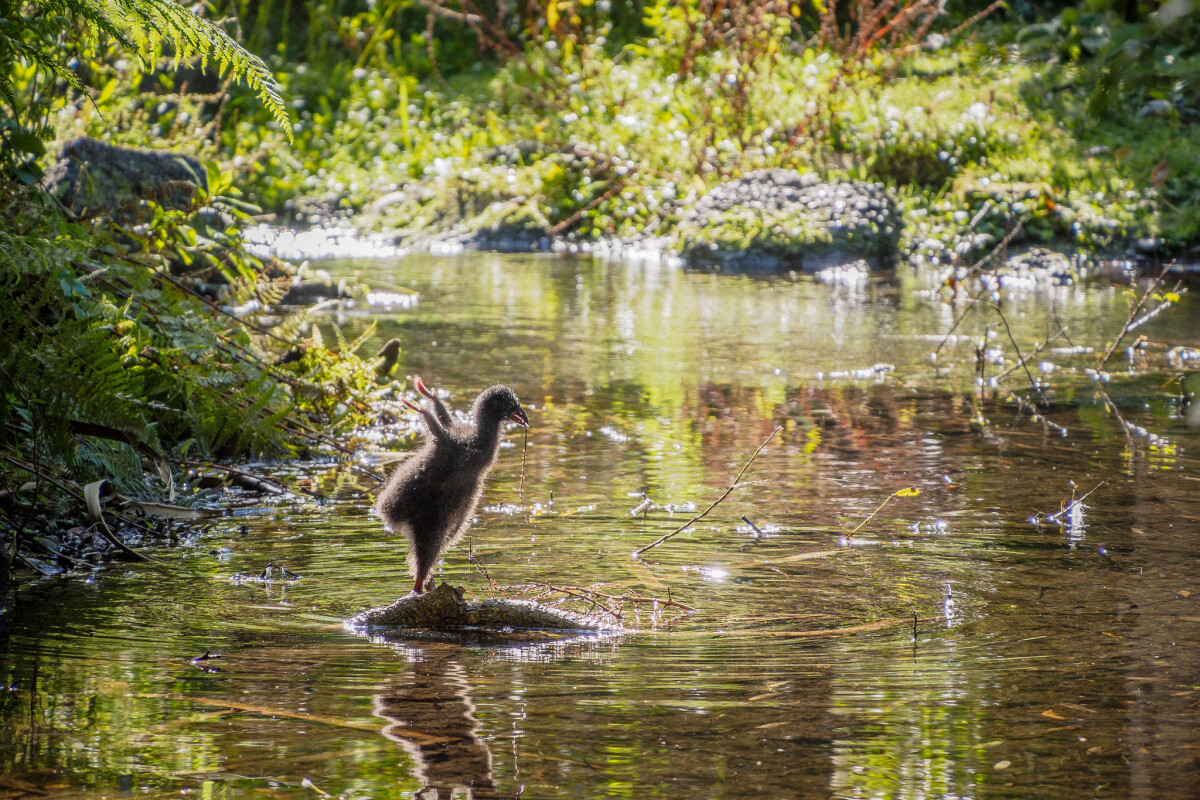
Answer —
911 491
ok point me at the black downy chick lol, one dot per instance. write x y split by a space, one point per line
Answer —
430 497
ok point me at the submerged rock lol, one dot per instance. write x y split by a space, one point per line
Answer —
93 178
782 219
444 609
509 237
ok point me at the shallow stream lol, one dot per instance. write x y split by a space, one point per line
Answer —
1053 657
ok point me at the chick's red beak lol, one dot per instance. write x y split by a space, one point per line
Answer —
519 416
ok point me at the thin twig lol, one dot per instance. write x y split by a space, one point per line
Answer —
974 268
639 599
1111 406
370 473
571 220
971 21
1073 503
1020 359
579 594
907 491
524 456
1025 405
736 484
1133 313
1037 349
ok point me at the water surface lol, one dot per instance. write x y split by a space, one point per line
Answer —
1050 660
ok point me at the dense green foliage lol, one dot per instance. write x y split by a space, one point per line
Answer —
534 123
116 357
98 331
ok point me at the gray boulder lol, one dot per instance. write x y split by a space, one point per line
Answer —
96 179
781 219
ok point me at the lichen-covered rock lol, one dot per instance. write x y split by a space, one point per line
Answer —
93 178
781 219
475 209
445 609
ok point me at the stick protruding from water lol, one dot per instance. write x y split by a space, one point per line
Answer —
736 484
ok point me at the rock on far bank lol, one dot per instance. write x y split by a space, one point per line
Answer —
781 219
94 178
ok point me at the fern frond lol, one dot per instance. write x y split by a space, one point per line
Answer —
144 27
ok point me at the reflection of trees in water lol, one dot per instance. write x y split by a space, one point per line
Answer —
431 714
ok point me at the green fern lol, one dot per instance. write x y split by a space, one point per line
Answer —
32 34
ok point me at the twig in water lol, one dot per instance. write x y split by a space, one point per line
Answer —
591 596
370 473
758 534
1073 503
907 491
643 505
252 481
638 599
736 483
1037 349
1111 406
1025 405
580 594
1020 359
1134 311
493 587
1000 247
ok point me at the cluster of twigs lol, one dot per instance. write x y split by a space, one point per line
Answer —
870 24
612 606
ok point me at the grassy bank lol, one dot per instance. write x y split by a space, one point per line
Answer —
594 141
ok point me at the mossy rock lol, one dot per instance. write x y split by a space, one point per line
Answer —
786 220
93 178
444 614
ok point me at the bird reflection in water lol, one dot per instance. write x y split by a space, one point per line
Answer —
431 714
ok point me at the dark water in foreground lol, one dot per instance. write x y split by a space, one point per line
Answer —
1060 660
